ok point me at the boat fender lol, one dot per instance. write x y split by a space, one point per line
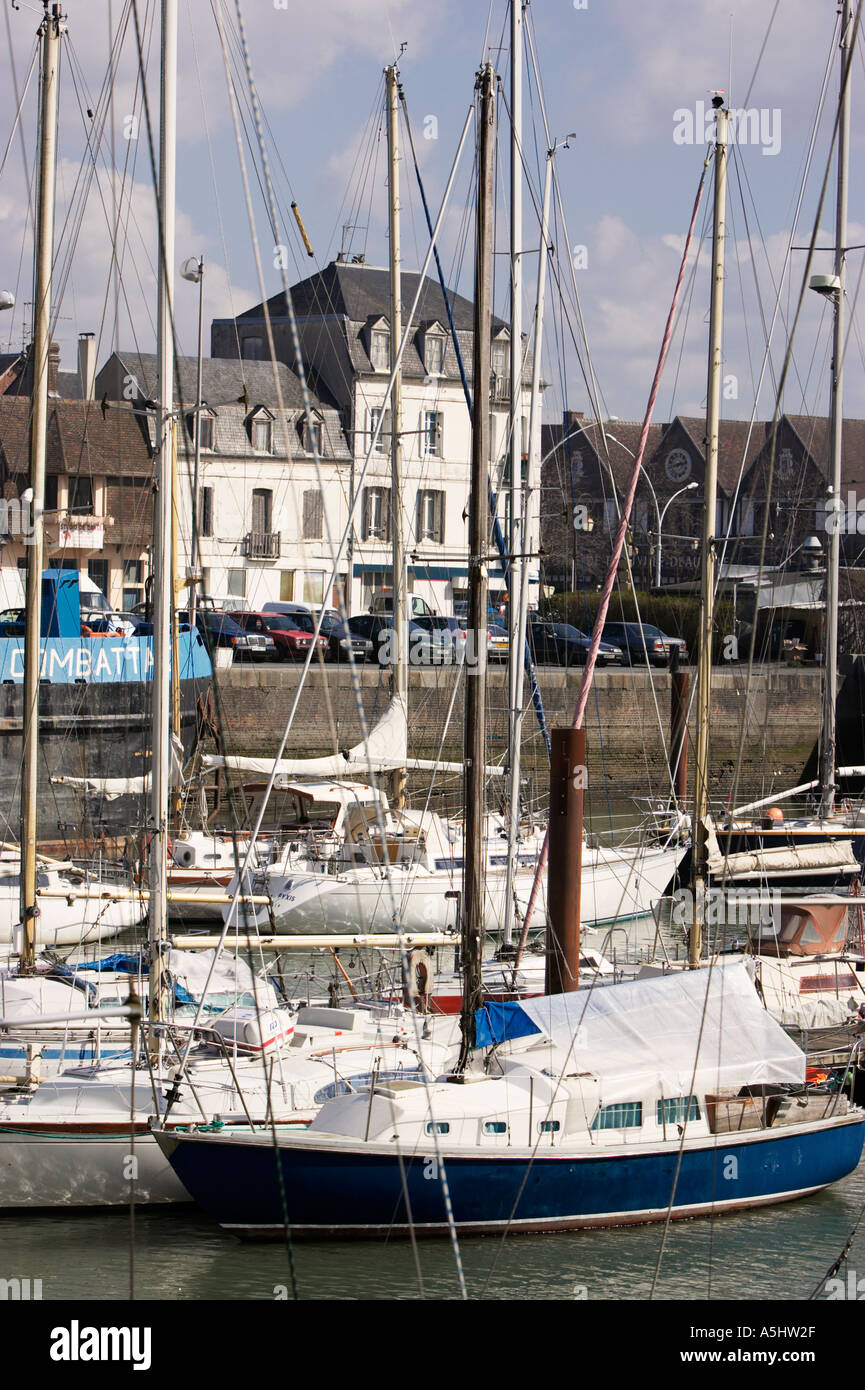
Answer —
421 972
184 856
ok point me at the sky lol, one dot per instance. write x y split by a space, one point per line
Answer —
628 80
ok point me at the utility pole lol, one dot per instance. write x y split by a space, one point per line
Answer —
830 669
399 650
474 745
49 33
710 493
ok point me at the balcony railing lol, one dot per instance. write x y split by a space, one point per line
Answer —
262 545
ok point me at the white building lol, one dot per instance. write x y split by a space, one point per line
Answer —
343 319
261 512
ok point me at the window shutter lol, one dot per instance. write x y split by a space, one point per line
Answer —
366 514
312 515
418 517
440 517
388 530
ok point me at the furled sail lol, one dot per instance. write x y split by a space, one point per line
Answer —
112 787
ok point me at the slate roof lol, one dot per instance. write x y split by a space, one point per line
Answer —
223 380
79 439
357 295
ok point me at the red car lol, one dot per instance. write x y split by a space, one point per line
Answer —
289 642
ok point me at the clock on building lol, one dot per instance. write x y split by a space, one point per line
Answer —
678 466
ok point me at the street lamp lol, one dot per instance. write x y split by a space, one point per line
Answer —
193 270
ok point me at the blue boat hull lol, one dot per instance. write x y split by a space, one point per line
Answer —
334 1191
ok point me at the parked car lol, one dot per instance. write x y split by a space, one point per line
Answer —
562 644
424 648
220 630
341 640
291 636
450 630
639 640
497 642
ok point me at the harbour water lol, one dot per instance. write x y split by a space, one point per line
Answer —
781 1253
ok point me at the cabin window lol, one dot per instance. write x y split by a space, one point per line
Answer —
438 1127
549 1127
627 1114
677 1109
495 1127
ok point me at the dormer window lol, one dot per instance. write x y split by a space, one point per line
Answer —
261 432
206 425
380 354
312 435
501 358
431 346
378 343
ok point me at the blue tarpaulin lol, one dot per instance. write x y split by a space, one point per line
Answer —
496 1023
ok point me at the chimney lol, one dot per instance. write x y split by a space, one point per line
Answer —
86 364
53 367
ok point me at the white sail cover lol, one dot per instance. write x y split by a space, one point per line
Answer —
386 747
644 1039
111 787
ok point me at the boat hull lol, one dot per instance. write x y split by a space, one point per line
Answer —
612 889
331 1189
83 1165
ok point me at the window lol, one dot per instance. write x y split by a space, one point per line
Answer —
262 434
262 510
495 1127
376 514
252 349
205 425
677 1110
379 352
626 1115
430 516
501 359
312 437
286 585
313 515
434 354
431 434
611 517
81 496
205 511
438 1127
97 570
236 583
133 579
382 444
549 1126
51 492
313 589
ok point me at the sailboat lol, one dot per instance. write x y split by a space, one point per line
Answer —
606 1107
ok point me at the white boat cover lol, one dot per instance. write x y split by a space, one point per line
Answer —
690 1032
112 787
232 982
386 747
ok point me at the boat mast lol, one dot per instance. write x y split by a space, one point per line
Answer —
163 598
710 494
399 653
830 683
474 745
49 32
515 543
